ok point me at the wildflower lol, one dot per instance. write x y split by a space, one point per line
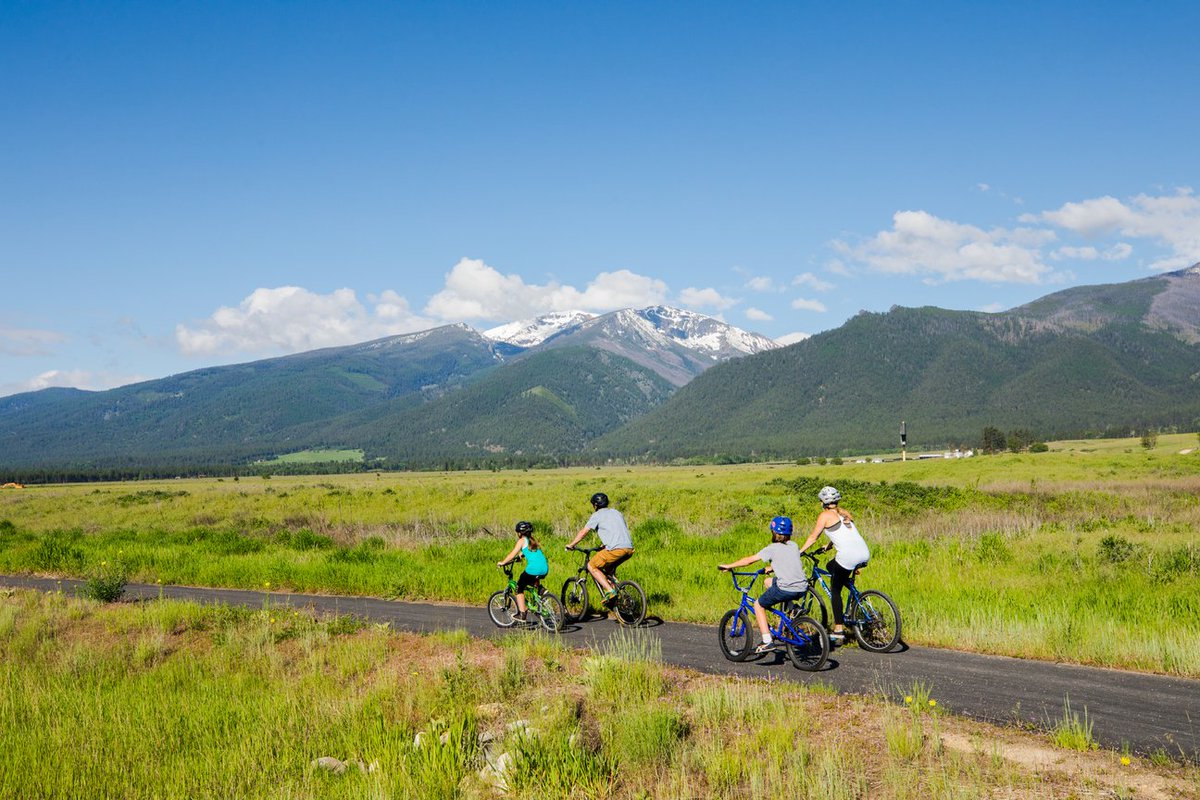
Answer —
933 703
1125 761
908 698
266 584
272 620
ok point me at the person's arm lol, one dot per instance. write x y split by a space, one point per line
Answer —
512 555
741 562
818 527
579 536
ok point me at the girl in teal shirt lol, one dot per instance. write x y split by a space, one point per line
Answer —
536 566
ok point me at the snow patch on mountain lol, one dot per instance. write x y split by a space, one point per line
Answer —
532 332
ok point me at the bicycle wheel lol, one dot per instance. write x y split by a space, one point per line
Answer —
551 613
574 600
876 621
631 603
502 608
736 635
811 605
812 644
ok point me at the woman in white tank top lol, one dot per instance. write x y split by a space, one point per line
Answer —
850 551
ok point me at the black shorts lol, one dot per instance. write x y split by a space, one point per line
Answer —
526 580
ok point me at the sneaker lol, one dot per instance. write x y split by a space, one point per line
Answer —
767 647
521 619
609 599
837 637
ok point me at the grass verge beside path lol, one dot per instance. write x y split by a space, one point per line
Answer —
1103 572
170 700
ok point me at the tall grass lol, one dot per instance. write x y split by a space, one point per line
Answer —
171 700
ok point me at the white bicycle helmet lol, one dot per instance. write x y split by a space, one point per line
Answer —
829 495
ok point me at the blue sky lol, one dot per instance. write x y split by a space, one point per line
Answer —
189 184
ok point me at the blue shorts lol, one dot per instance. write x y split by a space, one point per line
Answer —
774 595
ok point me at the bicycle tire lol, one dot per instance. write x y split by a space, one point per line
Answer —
811 655
876 621
736 635
551 613
811 605
502 608
574 599
630 606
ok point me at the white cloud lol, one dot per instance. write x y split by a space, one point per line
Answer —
476 291
983 187
804 304
838 267
1172 221
705 298
1117 252
28 341
74 378
291 319
921 244
812 281
1080 253
760 283
758 315
792 338
992 308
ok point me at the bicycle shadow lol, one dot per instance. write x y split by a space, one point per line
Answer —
780 658
648 622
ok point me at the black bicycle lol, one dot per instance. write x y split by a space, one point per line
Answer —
630 603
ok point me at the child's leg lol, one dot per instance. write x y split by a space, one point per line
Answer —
760 614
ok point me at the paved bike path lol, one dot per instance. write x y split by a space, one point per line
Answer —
1146 712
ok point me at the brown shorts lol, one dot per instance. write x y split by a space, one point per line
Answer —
609 560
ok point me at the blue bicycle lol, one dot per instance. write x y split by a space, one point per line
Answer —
806 641
872 615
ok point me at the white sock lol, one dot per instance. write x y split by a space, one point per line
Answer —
766 638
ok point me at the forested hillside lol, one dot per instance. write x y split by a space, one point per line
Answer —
1083 362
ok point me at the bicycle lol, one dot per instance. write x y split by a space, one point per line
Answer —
872 615
630 605
806 641
502 605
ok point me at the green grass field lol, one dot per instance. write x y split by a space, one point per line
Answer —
316 457
1087 553
174 700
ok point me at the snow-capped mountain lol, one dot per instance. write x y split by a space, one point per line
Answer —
676 344
532 332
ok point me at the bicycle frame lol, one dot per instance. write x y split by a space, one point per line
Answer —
791 636
817 578
583 568
533 598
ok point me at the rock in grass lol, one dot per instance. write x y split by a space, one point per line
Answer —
334 765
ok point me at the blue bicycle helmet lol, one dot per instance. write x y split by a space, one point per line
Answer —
782 526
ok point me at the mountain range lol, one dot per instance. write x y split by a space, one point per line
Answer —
654 384
449 392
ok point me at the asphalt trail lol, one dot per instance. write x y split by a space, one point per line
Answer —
1143 712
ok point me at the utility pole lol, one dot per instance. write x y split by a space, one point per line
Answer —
903 442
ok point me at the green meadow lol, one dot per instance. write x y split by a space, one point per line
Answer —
175 700
1087 553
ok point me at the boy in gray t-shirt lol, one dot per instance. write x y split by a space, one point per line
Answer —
790 581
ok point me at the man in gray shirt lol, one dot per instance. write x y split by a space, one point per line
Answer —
609 525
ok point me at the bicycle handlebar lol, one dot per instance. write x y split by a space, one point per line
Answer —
753 576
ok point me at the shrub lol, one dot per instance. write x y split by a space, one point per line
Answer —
1114 549
106 583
